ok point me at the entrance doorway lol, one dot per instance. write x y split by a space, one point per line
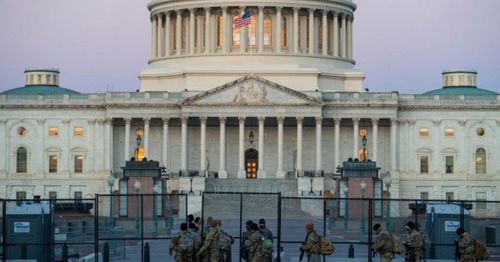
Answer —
251 163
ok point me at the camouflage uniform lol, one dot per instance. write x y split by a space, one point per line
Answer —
267 234
174 245
384 246
254 246
311 247
197 243
211 246
244 249
466 248
414 251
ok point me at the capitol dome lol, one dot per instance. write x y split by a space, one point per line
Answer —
40 81
305 45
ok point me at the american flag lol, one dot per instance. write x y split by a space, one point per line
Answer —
246 19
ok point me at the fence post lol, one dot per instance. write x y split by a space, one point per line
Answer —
350 252
371 214
4 229
24 252
146 252
65 253
105 253
96 226
278 254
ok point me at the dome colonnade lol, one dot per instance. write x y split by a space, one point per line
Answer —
181 29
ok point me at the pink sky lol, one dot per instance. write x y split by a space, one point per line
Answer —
102 45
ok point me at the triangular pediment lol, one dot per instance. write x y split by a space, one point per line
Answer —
251 91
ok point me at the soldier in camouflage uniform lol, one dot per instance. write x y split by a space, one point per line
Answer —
193 230
246 235
465 246
210 248
174 246
311 245
414 244
267 234
254 244
384 245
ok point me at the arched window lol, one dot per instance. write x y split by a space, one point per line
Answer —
220 31
22 160
268 31
284 34
480 161
236 33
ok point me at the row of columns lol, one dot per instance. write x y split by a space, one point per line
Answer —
241 145
162 33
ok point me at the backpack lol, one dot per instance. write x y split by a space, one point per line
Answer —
186 243
426 242
267 246
397 246
480 251
325 246
225 241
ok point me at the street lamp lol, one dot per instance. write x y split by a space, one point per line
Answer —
388 181
346 212
311 192
111 182
156 190
362 187
251 137
137 187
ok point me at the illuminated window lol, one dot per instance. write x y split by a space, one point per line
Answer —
449 131
78 163
450 196
284 28
220 31
53 195
480 196
236 33
53 131
32 79
268 31
449 164
52 164
22 131
78 131
22 160
39 78
424 164
462 80
480 161
252 31
21 195
424 132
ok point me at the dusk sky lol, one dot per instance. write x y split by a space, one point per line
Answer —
401 45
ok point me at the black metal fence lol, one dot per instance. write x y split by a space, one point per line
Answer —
139 227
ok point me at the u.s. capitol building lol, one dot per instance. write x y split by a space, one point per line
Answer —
280 105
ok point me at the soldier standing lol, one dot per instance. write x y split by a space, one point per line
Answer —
267 252
414 244
246 235
193 229
383 244
183 245
254 244
210 248
465 246
311 245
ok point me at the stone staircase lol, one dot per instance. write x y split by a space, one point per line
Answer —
287 187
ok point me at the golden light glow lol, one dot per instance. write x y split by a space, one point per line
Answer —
139 132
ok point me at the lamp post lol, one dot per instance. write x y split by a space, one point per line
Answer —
362 187
346 212
388 181
251 137
111 182
311 192
156 190
137 187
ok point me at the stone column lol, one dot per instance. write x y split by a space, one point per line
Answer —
203 134
109 145
355 125
178 31
296 35
280 173
126 143
222 148
146 137
375 138
159 36
278 29
191 30
394 128
300 121
154 23
261 30
3 144
243 34
349 37
225 37
343 42
312 42
335 51
318 143
241 151
167 34
165 144
184 145
261 172
324 39
67 123
207 30
337 141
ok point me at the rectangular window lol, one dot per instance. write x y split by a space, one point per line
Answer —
52 195
78 164
424 196
424 164
21 195
449 131
52 164
449 164
480 196
53 131
78 196
450 196
424 132
78 131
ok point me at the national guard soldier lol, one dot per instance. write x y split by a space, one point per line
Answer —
267 248
311 245
254 244
193 229
246 235
383 244
210 248
465 246
414 244
183 245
